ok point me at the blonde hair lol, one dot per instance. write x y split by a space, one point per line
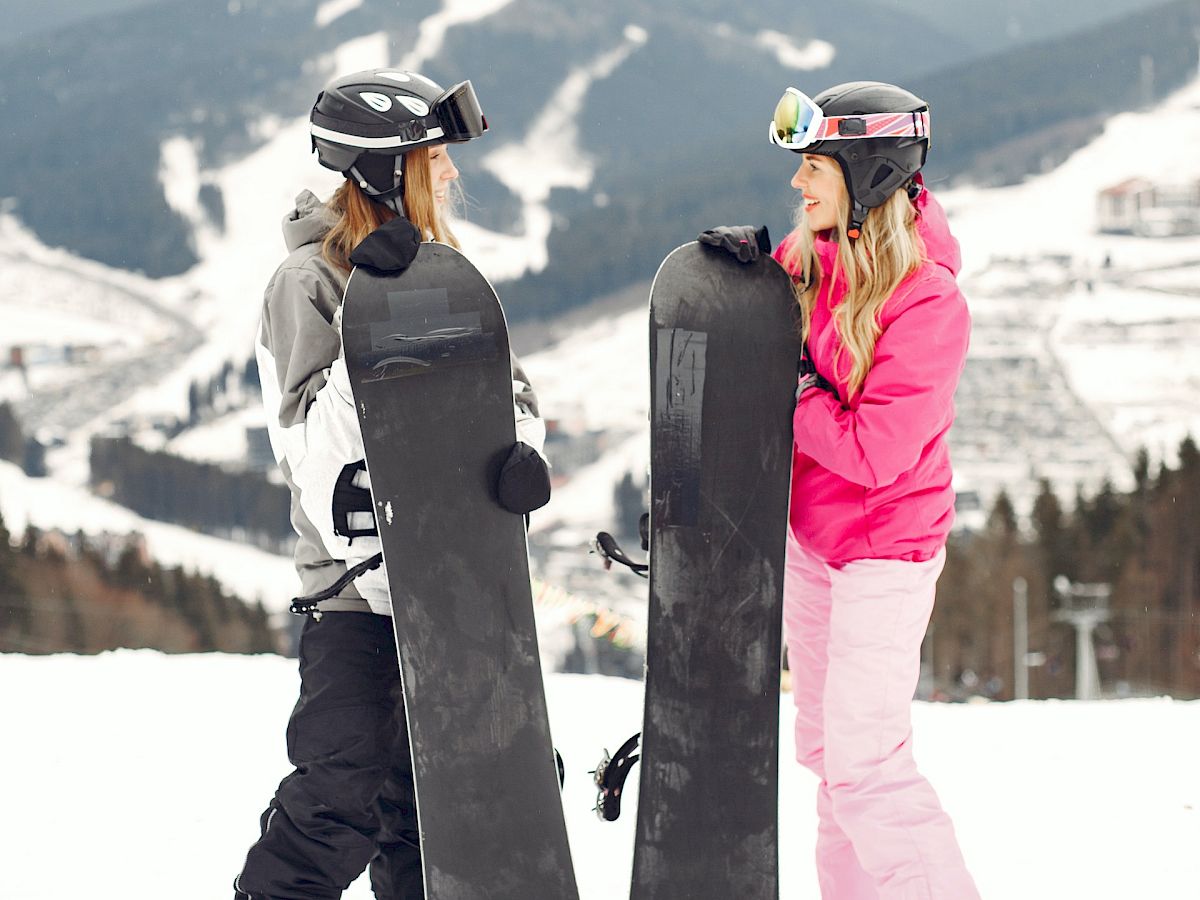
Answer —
358 215
873 265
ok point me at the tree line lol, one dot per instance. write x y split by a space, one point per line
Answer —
206 497
81 594
1144 544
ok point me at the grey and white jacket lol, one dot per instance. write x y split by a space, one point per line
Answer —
311 419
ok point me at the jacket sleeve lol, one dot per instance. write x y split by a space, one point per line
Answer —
531 429
320 433
907 398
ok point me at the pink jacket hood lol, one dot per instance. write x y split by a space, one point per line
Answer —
871 474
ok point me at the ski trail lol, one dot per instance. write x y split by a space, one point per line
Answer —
816 54
332 10
547 157
432 33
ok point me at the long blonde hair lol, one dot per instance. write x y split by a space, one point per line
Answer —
873 265
358 215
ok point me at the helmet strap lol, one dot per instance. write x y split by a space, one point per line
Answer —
392 198
858 215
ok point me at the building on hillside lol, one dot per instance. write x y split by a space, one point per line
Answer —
1138 206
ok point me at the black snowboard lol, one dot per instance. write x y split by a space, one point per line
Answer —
429 363
723 361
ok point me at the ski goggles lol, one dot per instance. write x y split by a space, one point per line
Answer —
799 123
458 113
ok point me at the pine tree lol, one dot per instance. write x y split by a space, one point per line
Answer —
16 616
12 441
1053 538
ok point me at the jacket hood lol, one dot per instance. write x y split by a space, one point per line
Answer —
308 223
941 247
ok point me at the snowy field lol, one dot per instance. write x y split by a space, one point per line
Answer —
140 776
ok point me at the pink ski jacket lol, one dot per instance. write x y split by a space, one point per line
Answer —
871 473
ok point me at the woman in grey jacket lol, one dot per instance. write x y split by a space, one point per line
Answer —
349 803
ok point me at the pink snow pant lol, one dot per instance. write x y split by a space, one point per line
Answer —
854 636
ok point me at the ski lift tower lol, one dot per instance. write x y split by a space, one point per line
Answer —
1084 606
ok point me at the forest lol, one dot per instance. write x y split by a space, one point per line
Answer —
1142 545
88 593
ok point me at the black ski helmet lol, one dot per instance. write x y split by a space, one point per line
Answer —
363 123
874 168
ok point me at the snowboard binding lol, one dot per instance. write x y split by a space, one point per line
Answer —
610 777
607 548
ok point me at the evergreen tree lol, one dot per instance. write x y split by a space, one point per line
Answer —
1053 538
33 459
250 380
73 629
16 616
12 441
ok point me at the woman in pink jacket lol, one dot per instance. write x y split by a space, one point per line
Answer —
886 332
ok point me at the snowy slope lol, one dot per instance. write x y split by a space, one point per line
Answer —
1050 799
242 570
1056 212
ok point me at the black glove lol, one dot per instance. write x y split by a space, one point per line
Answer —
808 377
390 248
524 483
745 242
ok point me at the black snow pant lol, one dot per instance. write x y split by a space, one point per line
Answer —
349 804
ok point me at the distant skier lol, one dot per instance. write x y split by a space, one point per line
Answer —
886 331
349 803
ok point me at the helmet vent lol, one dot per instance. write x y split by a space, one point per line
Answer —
882 174
414 105
380 102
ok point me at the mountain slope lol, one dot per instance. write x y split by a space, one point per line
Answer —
88 107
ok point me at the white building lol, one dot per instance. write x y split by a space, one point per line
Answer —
1141 207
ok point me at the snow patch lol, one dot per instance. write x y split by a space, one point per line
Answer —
220 441
432 33
179 172
368 52
332 10
547 157
816 54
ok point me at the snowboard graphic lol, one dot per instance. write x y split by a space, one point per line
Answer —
429 364
724 349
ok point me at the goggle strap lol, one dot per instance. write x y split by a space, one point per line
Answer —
914 124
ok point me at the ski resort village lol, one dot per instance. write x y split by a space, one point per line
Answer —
150 632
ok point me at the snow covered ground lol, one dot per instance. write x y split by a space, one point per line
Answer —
139 776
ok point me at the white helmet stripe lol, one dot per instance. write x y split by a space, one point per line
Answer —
369 143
